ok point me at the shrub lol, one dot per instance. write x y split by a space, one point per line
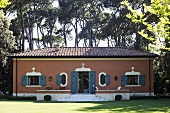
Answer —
21 98
143 97
2 96
118 97
47 97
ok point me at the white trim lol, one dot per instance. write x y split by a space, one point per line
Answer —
142 94
132 85
132 73
33 74
25 94
102 85
82 69
33 86
63 73
52 90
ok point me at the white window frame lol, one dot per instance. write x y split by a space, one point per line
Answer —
135 74
63 73
102 73
33 74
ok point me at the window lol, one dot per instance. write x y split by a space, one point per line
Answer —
133 80
104 79
61 79
33 80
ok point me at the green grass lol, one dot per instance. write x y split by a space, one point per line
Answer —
132 106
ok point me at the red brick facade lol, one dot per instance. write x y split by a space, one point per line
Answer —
112 66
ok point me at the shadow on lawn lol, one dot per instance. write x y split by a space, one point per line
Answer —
130 106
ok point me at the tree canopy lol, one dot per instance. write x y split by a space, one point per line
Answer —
4 3
160 28
7 44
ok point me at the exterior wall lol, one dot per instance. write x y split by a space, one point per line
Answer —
110 94
113 67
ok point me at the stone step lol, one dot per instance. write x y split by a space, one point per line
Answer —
82 97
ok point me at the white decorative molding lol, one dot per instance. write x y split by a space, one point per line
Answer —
33 86
63 73
132 72
132 85
102 85
83 68
33 73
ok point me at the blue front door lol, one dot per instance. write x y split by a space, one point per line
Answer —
74 82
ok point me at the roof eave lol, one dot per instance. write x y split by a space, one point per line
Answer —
154 56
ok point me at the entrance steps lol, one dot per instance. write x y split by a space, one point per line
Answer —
82 98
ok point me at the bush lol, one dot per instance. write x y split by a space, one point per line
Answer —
21 98
143 97
118 97
47 97
2 96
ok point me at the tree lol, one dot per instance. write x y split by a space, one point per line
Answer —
4 3
160 28
7 44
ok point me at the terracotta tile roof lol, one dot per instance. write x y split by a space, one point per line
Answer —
84 52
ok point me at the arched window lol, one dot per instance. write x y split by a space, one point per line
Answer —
104 79
62 79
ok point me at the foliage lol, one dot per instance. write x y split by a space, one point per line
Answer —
141 97
4 3
90 22
7 45
160 28
161 73
2 96
21 98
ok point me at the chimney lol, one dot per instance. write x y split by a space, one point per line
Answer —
57 47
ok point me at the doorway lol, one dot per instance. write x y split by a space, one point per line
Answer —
83 82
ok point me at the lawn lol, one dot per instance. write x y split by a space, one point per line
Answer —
132 106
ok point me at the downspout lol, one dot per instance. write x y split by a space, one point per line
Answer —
16 77
149 78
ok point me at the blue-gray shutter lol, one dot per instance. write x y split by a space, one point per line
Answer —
142 80
42 80
124 80
74 80
58 79
24 80
107 79
92 81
